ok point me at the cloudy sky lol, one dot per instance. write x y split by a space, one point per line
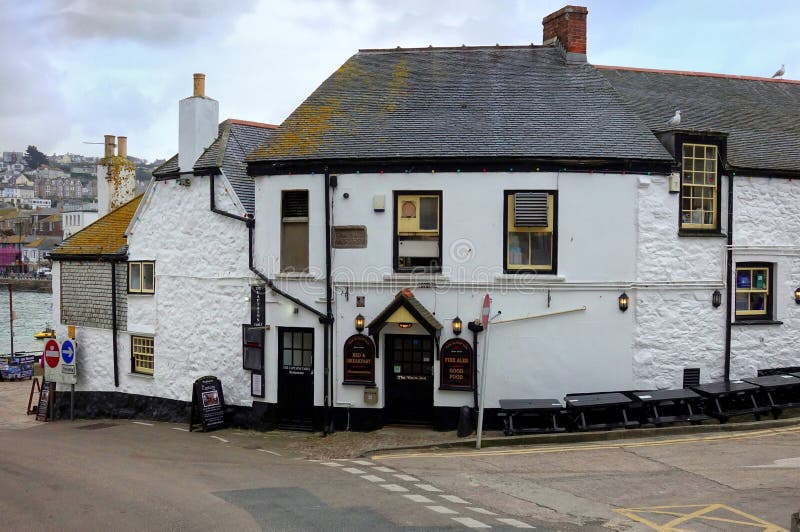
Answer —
73 70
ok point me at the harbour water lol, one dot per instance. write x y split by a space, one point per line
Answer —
34 312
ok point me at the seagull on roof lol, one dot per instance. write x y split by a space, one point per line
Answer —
675 121
781 71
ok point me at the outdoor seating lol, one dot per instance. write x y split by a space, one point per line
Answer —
730 399
781 391
540 416
598 411
662 407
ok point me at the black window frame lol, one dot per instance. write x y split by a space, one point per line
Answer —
434 268
554 269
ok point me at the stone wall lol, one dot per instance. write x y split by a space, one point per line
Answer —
86 294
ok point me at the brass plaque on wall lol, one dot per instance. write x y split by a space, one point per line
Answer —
349 236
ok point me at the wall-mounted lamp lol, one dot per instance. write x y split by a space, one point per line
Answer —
457 325
405 325
797 295
716 298
623 301
359 323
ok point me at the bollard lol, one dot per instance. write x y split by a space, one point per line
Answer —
464 422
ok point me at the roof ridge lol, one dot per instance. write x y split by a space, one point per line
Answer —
250 123
453 48
692 73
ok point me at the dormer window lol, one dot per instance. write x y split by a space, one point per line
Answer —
700 187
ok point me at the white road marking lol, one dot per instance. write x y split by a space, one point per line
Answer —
180 429
514 523
354 470
270 452
417 498
393 487
427 487
793 463
363 462
453 498
223 440
373 478
470 522
143 423
383 469
480 510
331 464
407 478
441 510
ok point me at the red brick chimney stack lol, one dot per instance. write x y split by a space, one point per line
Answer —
568 26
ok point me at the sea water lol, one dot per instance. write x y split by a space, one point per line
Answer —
34 312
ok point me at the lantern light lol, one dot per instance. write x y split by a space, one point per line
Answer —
716 298
359 323
623 301
457 325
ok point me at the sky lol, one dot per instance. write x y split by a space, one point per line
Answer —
74 70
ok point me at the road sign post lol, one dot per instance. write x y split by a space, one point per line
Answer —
52 359
69 371
485 311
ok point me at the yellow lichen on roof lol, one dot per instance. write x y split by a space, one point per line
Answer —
35 243
105 236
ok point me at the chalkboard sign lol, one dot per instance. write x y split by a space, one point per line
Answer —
457 363
207 404
47 392
359 360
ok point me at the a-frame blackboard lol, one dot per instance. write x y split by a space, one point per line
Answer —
208 404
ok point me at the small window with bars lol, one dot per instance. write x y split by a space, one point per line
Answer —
699 187
753 291
142 354
530 229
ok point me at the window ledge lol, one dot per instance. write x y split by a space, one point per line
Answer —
297 276
400 276
141 375
531 277
702 234
756 322
141 293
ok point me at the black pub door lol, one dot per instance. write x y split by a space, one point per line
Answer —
409 379
296 378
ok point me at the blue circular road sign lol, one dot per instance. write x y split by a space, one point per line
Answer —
67 351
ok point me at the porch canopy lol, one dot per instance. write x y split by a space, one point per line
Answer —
405 307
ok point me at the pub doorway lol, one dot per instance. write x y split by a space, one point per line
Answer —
409 379
295 378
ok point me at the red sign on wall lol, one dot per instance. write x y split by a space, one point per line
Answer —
359 360
456 365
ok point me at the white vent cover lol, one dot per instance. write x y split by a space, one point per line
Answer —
530 209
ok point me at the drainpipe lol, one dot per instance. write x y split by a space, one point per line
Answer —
218 211
475 327
328 322
729 281
114 321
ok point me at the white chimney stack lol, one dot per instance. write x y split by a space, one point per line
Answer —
198 118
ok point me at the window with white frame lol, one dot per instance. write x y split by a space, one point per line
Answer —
141 277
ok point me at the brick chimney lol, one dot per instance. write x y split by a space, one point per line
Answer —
568 27
198 121
116 176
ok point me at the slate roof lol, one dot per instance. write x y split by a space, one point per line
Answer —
469 102
105 237
235 139
761 116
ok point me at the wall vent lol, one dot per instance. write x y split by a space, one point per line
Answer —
691 377
530 209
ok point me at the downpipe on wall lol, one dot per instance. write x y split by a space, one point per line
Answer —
114 347
729 281
328 321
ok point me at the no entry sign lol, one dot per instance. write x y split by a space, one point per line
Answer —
52 353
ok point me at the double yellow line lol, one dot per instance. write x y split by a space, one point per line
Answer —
578 448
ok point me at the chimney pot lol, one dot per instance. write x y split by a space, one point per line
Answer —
568 26
109 146
122 147
199 85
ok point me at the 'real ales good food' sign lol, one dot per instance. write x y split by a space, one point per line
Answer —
457 365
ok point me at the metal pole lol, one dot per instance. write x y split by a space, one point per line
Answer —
483 386
11 316
72 402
